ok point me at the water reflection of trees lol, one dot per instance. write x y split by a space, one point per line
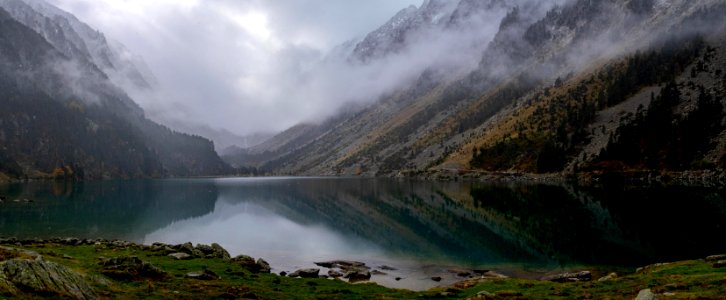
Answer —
106 209
609 225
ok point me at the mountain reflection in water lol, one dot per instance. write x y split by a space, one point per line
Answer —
294 221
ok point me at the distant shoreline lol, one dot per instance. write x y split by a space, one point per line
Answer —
701 178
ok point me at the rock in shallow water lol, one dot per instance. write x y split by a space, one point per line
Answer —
305 273
357 276
263 266
249 263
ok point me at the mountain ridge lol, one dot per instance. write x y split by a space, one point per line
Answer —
64 117
535 52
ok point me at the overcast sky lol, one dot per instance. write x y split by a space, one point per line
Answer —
233 64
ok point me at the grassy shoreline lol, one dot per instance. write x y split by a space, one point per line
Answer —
690 279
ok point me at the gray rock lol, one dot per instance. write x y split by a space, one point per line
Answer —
220 252
650 267
198 253
713 258
130 268
9 252
345 265
205 249
379 273
335 274
41 277
387 268
461 272
263 266
720 264
249 263
357 276
187 248
202 275
180 256
646 294
569 277
610 276
305 273
485 295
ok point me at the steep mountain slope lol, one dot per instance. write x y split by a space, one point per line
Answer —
63 117
540 82
79 41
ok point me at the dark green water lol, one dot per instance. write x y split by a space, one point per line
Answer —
294 221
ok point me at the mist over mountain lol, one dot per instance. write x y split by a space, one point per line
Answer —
66 111
565 86
522 86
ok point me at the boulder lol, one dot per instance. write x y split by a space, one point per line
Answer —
206 250
461 272
198 253
610 276
357 276
130 268
180 256
649 268
41 277
345 265
714 258
646 294
485 295
263 266
387 268
305 273
569 277
187 248
219 252
335 274
720 264
203 275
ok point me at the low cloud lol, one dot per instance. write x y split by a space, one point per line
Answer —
243 66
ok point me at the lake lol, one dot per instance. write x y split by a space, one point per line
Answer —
421 228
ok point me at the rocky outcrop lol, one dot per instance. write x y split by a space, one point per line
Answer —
43 278
569 277
356 276
608 277
305 273
249 263
263 265
646 294
130 268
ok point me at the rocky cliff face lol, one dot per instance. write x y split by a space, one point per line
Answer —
65 115
536 85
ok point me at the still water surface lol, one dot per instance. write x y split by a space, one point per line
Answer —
421 228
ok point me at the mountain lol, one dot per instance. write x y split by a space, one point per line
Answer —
64 115
560 86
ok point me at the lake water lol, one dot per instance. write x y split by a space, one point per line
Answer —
421 228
